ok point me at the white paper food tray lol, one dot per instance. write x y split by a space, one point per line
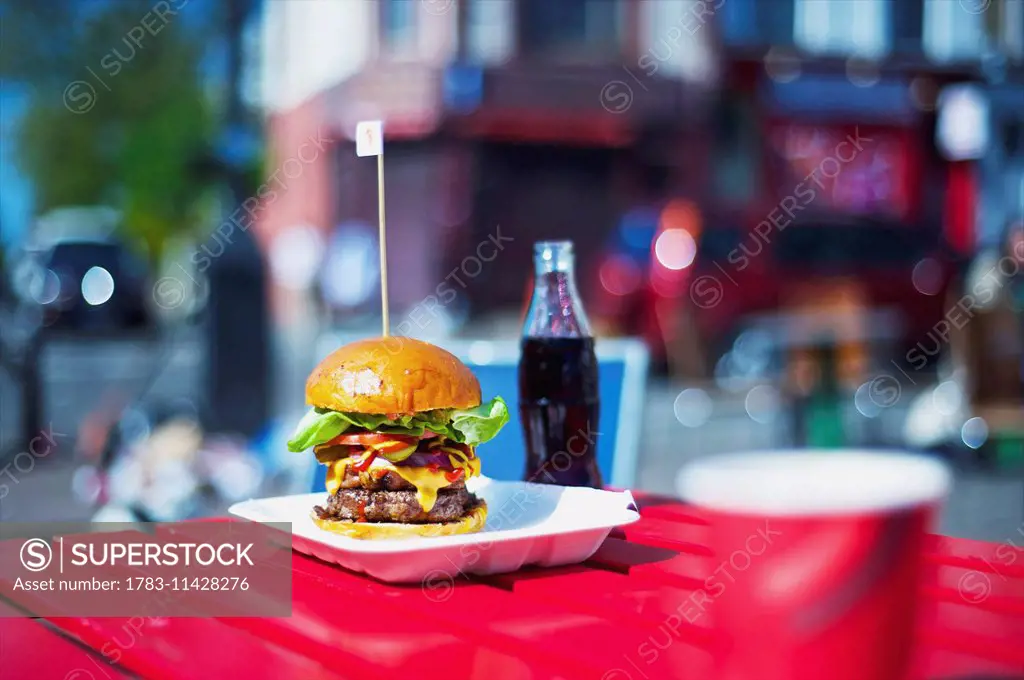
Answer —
526 524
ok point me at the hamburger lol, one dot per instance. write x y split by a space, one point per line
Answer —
397 422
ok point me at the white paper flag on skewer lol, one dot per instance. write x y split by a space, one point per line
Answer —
369 138
370 142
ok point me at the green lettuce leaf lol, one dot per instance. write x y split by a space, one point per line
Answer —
316 427
470 426
481 424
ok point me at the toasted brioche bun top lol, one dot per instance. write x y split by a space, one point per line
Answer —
391 375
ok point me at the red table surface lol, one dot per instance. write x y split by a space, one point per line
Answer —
616 617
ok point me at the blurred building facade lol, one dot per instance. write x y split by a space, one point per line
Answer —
888 222
523 118
559 119
881 62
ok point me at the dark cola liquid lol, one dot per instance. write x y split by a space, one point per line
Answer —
559 407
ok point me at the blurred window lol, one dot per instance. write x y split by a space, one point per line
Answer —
836 247
489 31
1013 139
674 38
907 26
752 22
737 152
719 242
1010 29
583 29
849 27
951 33
739 23
398 19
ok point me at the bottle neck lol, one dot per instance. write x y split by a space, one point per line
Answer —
553 260
555 309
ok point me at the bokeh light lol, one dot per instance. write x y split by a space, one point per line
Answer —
681 214
44 288
762 404
295 256
863 402
619 275
97 286
947 398
481 352
924 93
927 276
781 65
974 432
675 249
693 407
350 269
862 72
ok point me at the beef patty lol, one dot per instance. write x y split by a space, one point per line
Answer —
382 479
396 506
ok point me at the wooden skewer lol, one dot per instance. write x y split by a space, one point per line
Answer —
383 246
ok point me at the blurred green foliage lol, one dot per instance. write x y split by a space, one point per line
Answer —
121 112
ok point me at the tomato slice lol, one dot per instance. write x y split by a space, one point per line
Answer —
371 439
453 476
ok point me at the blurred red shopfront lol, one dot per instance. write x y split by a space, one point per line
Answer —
850 206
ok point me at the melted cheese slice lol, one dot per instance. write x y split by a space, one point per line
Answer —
470 466
336 473
426 482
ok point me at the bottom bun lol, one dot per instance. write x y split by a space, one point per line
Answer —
471 522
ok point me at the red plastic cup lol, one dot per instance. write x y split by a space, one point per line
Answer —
818 560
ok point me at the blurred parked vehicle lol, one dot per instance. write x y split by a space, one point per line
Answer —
91 285
881 264
662 272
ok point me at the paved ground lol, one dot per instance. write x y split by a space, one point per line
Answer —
984 505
